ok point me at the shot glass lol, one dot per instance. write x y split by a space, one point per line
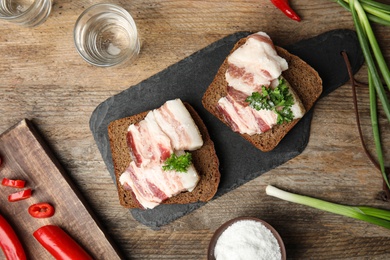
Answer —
106 35
29 13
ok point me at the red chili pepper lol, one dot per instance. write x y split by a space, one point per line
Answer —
41 210
59 243
9 242
13 183
21 195
284 6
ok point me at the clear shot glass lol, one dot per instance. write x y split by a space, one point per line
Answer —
106 35
28 13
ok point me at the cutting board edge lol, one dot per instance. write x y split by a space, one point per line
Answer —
49 152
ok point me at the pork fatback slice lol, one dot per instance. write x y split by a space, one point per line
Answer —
244 119
152 185
177 123
147 142
254 64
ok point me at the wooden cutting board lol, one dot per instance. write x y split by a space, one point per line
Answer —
26 156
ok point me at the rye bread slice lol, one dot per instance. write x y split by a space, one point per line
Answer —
204 159
304 80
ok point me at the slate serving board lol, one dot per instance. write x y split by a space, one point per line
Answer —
188 79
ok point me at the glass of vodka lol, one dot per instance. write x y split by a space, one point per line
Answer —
106 35
28 13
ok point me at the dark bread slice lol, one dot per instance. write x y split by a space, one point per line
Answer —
204 159
304 80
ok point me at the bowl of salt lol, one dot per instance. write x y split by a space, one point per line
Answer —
246 238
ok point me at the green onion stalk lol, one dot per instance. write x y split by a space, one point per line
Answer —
364 12
371 215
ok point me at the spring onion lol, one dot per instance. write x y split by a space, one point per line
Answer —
364 11
278 99
371 215
376 12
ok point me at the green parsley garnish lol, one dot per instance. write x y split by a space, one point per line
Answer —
278 100
178 163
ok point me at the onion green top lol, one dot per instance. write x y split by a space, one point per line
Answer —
372 215
364 11
278 100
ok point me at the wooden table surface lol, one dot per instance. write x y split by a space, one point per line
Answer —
42 78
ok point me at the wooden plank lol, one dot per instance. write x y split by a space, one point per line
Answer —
26 156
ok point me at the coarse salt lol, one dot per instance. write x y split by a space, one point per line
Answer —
247 239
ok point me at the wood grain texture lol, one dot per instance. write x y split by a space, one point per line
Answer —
26 156
43 78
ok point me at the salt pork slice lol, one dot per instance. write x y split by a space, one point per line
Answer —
254 64
147 142
152 185
177 123
244 119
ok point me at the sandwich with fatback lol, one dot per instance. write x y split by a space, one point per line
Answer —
163 156
261 91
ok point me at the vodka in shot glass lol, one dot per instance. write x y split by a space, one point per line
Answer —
106 35
28 13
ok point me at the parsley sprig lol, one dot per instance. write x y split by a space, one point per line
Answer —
178 163
278 100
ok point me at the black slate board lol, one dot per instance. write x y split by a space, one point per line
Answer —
188 79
